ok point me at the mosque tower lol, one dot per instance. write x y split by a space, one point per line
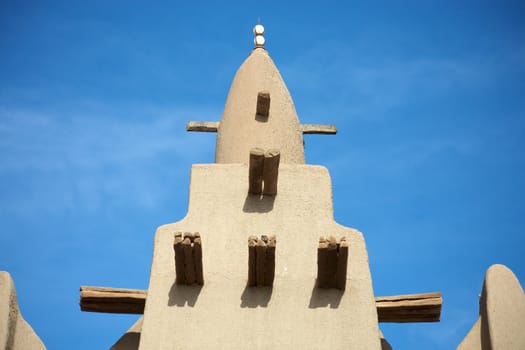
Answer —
258 262
229 202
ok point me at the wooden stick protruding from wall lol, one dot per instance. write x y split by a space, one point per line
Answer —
320 129
271 171
255 176
112 300
263 171
424 307
261 261
263 105
188 258
332 262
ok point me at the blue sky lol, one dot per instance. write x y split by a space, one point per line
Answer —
428 98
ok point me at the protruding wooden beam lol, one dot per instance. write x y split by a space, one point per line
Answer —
252 261
255 175
203 126
112 300
322 129
409 308
323 273
414 308
260 264
271 171
197 255
263 105
179 259
342 264
189 263
325 129
269 271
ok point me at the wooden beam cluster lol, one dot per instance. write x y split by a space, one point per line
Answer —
263 171
410 308
188 258
261 261
397 308
332 261
112 300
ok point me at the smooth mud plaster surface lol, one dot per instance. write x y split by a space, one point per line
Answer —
224 313
241 129
15 332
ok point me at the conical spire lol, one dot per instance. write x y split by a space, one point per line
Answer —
259 112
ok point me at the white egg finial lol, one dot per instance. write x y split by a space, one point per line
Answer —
258 31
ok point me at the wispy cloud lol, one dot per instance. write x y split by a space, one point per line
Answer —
400 159
347 86
81 160
32 140
458 318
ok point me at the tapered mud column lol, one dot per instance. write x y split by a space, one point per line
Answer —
188 258
261 261
254 190
332 261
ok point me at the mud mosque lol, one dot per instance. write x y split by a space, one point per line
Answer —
258 262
